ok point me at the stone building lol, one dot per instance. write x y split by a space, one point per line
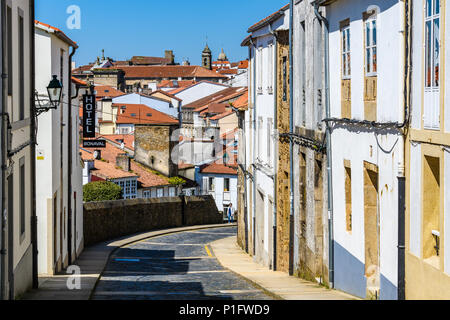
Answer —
154 146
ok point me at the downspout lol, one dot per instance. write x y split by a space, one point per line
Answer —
329 151
253 149
291 143
69 157
401 170
275 162
3 157
33 138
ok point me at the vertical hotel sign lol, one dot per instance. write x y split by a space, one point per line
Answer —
89 116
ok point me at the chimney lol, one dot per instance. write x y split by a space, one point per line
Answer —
169 56
123 161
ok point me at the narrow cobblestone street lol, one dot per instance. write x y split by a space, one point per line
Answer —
173 267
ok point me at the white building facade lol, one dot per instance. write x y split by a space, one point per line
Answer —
59 198
366 85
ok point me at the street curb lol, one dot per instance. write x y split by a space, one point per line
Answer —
148 235
253 283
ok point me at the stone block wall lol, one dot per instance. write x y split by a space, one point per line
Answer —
109 220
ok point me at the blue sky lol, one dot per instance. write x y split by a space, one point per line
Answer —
148 27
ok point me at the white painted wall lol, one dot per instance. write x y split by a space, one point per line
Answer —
152 102
199 91
389 109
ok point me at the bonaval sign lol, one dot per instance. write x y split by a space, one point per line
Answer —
89 116
94 143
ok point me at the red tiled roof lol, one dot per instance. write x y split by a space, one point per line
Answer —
168 72
79 82
219 97
222 115
146 177
58 32
140 60
142 114
128 139
243 64
242 101
107 91
180 84
228 71
108 170
219 168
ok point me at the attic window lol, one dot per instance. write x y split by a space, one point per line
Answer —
133 114
106 91
149 114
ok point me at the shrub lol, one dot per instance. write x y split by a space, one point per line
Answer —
176 181
101 191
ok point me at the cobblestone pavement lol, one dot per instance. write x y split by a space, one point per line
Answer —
179 266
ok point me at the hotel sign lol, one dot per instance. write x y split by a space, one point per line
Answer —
94 143
89 116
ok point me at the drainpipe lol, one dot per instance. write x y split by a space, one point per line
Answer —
3 158
69 164
401 170
291 131
329 151
33 132
275 162
253 149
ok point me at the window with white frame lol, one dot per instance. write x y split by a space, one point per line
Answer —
129 188
211 186
270 68
160 193
260 137
370 32
147 194
432 43
172 192
346 52
259 59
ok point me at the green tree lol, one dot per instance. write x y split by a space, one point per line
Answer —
101 191
177 181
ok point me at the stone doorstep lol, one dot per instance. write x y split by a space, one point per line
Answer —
92 266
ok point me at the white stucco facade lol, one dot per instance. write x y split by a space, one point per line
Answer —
199 91
363 146
52 198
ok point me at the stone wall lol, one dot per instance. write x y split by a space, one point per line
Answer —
108 220
283 177
153 148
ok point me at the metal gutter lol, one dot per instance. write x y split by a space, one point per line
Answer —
3 136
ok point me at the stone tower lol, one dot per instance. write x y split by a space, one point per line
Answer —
207 58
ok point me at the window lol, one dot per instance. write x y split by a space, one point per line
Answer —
371 46
346 57
226 184
260 137
22 195
211 184
269 141
270 68
21 67
9 52
348 195
160 193
432 37
172 192
146 194
259 58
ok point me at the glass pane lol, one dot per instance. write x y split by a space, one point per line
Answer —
367 34
348 39
437 5
428 54
374 32
349 66
344 65
374 59
344 41
428 8
436 54
368 61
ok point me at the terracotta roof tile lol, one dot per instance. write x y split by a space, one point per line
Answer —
142 114
169 72
219 97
